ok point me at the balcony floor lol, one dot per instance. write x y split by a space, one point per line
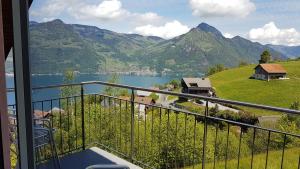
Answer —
91 156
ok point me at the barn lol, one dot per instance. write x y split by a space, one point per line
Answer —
269 72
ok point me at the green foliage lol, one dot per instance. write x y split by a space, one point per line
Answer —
154 96
243 63
69 78
265 57
162 139
112 91
295 105
215 69
176 83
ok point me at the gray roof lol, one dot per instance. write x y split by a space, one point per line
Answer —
201 82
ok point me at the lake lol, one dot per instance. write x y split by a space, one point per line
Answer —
46 80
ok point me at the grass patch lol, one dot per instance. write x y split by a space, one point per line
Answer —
234 84
274 161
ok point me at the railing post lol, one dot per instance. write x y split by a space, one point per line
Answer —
82 116
132 125
204 135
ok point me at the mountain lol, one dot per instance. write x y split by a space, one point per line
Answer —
290 51
200 48
56 46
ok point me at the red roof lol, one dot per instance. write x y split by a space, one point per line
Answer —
272 68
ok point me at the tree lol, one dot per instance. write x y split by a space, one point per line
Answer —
69 78
215 69
112 91
295 105
243 63
175 82
265 57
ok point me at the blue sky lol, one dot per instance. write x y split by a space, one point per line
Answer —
264 21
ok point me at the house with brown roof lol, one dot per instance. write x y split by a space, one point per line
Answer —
269 72
199 86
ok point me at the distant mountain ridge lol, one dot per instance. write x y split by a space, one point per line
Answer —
289 51
56 46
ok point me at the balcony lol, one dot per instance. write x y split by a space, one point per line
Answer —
108 129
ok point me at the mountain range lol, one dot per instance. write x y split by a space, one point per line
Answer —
289 51
56 46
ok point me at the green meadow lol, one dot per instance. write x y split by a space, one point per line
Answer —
235 84
290 161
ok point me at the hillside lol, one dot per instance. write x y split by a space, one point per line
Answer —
56 46
289 51
235 84
202 47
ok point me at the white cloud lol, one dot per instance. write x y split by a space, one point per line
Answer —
270 33
105 10
222 8
228 35
167 31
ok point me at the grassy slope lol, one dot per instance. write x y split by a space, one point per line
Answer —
235 84
274 161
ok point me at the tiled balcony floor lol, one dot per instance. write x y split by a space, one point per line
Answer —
92 156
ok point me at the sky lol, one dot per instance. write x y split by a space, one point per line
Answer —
265 21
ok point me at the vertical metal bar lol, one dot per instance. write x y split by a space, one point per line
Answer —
216 140
268 144
126 119
176 149
115 123
152 118
145 131
253 144
68 114
299 163
168 128
283 149
184 139
120 112
132 126
60 126
138 130
75 121
194 145
239 153
23 84
95 114
82 116
227 144
89 118
159 131
204 135
51 107
100 118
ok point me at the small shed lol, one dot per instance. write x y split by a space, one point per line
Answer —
269 72
199 86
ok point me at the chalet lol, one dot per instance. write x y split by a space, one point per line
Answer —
143 93
143 102
269 72
199 86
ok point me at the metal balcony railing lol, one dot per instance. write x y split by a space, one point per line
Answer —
168 137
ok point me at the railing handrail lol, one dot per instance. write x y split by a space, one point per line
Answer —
212 99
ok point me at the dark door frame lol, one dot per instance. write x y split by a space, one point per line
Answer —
23 88
4 135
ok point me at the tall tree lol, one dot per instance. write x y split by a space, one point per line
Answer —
69 78
265 57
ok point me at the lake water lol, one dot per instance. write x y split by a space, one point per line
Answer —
46 80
